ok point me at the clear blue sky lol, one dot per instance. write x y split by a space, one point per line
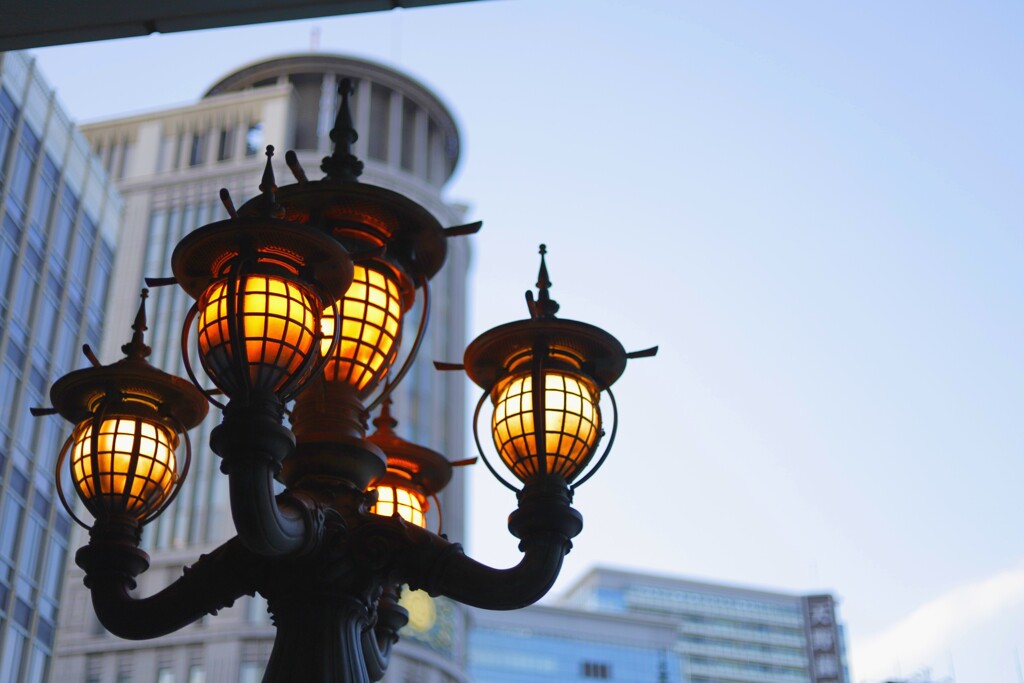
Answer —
816 209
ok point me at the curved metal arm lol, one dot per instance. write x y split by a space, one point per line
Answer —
267 525
215 581
545 522
253 443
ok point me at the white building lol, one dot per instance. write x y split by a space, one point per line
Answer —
169 166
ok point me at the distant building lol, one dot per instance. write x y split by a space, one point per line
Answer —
169 166
59 215
638 628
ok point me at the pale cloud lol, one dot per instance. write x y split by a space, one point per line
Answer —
925 635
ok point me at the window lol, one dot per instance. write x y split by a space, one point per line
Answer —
596 670
165 674
197 152
226 144
380 122
46 189
409 112
11 661
8 113
253 139
250 672
122 162
166 154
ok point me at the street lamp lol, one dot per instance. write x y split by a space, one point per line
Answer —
300 296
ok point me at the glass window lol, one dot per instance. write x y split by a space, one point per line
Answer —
24 292
254 139
196 674
61 235
8 386
250 672
380 122
165 674
6 264
226 144
22 613
46 190
197 152
31 545
54 569
64 351
12 229
37 663
122 163
21 176
409 111
9 527
10 662
8 114
46 318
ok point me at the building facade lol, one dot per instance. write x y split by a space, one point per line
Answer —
630 627
169 166
60 218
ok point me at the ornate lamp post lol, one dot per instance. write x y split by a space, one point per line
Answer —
300 295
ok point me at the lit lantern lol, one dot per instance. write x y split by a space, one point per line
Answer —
130 419
572 423
261 285
371 327
414 473
545 377
126 465
277 330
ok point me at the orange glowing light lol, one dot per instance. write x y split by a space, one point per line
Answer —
572 425
278 326
409 504
371 323
129 466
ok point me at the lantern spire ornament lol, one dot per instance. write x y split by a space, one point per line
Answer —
136 349
343 165
544 306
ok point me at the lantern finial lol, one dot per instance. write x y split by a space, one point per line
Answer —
384 422
136 349
343 165
544 306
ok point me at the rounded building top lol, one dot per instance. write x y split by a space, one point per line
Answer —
401 122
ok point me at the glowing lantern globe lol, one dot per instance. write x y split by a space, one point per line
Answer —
129 421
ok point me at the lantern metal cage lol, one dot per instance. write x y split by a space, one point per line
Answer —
550 367
129 419
261 285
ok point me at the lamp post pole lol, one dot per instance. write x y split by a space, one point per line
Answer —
300 296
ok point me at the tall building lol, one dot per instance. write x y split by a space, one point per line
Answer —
60 218
169 166
638 628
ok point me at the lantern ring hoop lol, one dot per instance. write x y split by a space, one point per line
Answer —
60 487
479 448
186 329
421 332
608 446
440 515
